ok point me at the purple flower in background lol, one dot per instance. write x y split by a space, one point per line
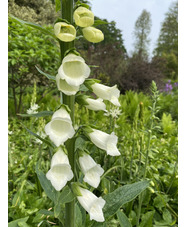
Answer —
168 87
175 84
169 81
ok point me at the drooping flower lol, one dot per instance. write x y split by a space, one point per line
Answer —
60 171
92 204
63 86
92 34
105 141
65 32
91 104
74 70
60 129
91 169
106 93
83 17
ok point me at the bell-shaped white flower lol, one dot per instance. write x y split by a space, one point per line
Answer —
60 129
60 171
91 169
92 34
83 17
65 32
92 204
105 141
96 104
107 93
66 88
74 70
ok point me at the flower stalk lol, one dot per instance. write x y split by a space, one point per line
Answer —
67 13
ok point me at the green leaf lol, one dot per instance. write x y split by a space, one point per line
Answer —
46 74
121 196
66 196
147 219
58 5
46 185
15 223
78 216
37 136
36 26
46 212
98 22
123 220
17 197
40 114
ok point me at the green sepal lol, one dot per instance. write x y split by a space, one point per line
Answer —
87 129
81 99
89 82
99 22
75 189
50 77
65 107
61 20
78 4
58 5
71 51
82 152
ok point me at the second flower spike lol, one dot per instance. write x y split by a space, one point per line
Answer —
60 128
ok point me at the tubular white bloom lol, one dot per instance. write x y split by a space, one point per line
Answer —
105 141
107 93
96 104
91 169
60 171
59 129
74 70
92 204
65 32
66 88
92 34
83 17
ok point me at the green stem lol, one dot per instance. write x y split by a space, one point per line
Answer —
67 13
131 162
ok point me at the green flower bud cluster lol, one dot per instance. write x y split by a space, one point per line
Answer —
83 18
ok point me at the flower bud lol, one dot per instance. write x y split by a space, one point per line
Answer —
73 70
105 141
92 34
91 169
106 93
60 171
65 32
92 204
60 129
83 17
66 88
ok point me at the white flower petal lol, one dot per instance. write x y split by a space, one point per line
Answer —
86 162
96 104
96 212
83 17
59 175
64 87
92 176
59 158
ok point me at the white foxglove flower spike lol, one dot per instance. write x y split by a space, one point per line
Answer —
92 204
91 169
60 171
105 92
73 70
83 17
65 32
60 128
66 88
92 34
105 141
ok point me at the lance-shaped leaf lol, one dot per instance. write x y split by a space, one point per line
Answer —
123 220
40 114
46 74
33 25
121 196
